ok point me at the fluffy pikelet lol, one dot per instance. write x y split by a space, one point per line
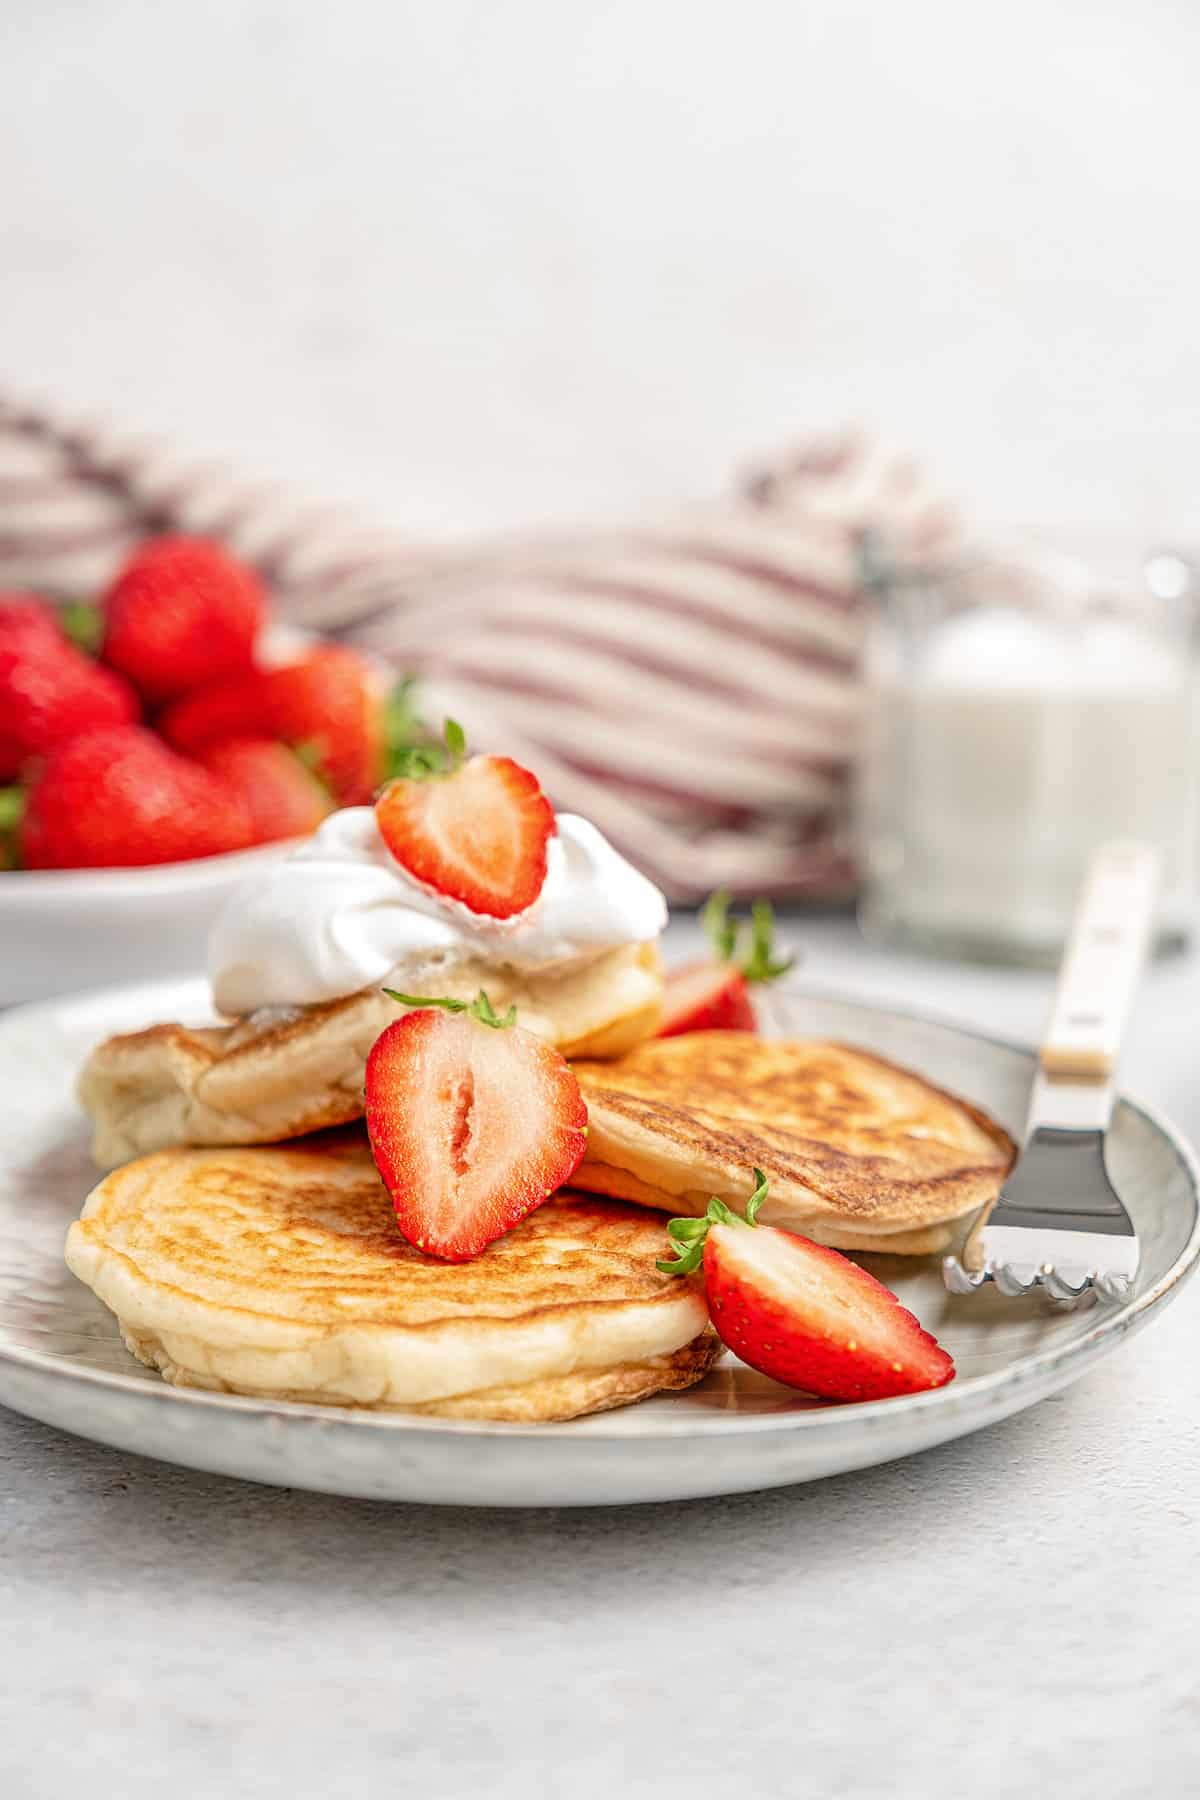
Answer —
285 1071
279 1272
299 959
860 1154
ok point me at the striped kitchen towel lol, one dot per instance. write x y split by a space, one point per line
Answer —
689 683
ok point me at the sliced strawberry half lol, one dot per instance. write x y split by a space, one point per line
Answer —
802 1313
706 996
473 1123
714 995
474 830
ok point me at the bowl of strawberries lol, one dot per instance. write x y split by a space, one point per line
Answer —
156 745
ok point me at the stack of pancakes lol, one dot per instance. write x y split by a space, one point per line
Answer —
285 1071
277 1269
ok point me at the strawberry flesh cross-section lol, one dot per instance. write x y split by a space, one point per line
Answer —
473 1123
804 1313
476 830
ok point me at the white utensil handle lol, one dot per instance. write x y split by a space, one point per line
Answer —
1103 960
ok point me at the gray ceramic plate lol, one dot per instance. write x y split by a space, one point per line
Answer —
62 1361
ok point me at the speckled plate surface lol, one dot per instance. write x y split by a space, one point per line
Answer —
62 1360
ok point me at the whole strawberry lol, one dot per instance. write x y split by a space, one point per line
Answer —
284 799
50 692
181 613
120 798
26 619
328 704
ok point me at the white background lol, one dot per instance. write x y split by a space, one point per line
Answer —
477 262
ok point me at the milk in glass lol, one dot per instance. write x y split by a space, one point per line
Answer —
1002 743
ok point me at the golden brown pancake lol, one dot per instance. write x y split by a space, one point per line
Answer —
860 1154
280 1272
288 1071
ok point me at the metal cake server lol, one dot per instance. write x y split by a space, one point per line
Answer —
1059 1222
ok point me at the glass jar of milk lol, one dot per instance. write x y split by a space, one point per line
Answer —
1017 714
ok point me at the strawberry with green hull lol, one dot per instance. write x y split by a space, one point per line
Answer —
329 706
182 612
802 1313
474 829
119 798
283 797
473 1122
50 692
715 995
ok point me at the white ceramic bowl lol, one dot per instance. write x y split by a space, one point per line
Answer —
63 930
66 929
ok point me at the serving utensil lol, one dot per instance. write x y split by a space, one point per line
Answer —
1059 1223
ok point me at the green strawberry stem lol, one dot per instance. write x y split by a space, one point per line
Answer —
12 806
758 962
423 760
479 1008
762 963
312 754
83 622
687 1235
12 809
721 930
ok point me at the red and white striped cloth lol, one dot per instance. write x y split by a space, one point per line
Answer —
690 685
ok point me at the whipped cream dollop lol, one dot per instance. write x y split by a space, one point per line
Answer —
340 914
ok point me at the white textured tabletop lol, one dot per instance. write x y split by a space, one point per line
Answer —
1016 1612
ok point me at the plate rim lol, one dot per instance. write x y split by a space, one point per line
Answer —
1110 1326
